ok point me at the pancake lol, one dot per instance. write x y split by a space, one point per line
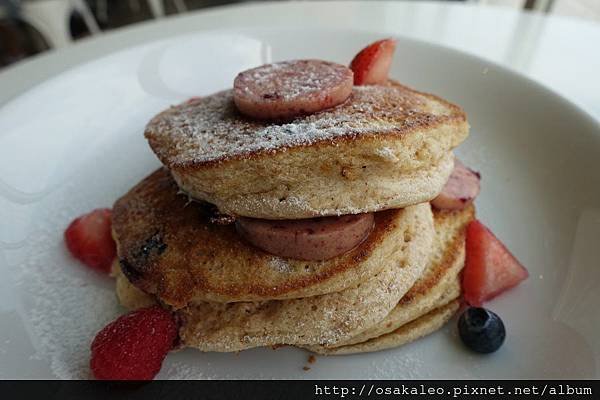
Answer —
439 284
318 319
212 326
167 247
387 146
129 296
422 326
231 327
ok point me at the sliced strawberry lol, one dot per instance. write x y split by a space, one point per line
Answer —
372 64
89 239
490 268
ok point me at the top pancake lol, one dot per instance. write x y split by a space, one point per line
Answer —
320 164
167 247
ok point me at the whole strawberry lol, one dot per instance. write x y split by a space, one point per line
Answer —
89 239
133 346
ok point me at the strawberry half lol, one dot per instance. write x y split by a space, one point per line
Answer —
490 268
371 65
89 239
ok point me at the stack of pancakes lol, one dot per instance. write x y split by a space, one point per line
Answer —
387 150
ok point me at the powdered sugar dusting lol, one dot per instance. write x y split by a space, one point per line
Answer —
387 153
183 371
211 129
67 308
390 364
280 264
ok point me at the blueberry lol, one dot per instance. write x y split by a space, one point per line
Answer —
481 330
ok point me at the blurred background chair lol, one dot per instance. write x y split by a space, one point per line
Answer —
28 27
540 5
52 18
158 7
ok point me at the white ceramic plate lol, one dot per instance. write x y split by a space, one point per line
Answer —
75 143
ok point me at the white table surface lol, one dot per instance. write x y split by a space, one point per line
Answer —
560 52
